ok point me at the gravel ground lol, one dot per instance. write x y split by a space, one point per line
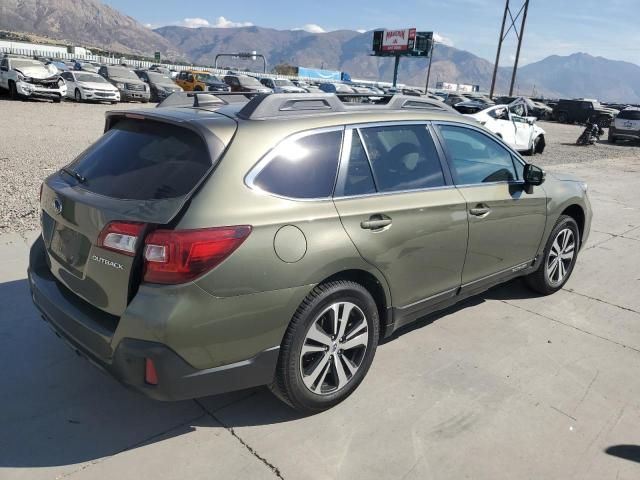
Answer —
37 138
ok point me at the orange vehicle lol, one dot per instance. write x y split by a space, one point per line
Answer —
197 80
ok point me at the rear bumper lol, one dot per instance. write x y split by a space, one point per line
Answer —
91 335
626 134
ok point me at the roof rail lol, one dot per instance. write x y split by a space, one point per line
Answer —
290 104
279 105
201 99
410 102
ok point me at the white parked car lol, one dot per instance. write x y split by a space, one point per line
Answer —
513 126
27 78
281 85
87 86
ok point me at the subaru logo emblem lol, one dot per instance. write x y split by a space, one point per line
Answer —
57 206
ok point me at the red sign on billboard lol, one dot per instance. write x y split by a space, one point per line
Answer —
398 40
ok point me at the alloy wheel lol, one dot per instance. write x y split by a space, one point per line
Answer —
334 348
561 256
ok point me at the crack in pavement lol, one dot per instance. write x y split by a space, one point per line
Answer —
601 301
612 236
249 448
571 326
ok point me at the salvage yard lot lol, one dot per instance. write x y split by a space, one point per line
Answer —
506 385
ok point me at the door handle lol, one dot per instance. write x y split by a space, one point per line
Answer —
480 211
376 222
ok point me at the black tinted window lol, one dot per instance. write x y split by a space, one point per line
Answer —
629 115
303 168
144 160
403 157
358 180
475 157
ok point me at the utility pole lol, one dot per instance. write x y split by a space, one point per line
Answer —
395 70
503 35
515 65
426 87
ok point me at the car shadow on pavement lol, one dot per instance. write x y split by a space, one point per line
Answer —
58 410
626 452
512 290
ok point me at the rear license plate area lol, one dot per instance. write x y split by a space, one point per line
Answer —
69 248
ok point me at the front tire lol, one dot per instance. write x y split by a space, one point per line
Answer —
77 95
328 347
13 91
534 147
560 255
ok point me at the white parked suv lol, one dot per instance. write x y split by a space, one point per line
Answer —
511 123
87 86
626 125
24 77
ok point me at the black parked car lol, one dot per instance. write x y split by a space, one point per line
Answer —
160 84
581 110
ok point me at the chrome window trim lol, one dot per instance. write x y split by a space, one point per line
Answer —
249 179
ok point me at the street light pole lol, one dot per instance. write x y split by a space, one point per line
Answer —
426 87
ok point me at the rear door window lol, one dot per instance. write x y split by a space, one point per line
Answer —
303 167
403 157
358 178
144 160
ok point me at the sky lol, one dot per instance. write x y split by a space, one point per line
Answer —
607 28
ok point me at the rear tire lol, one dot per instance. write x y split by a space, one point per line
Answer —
337 325
559 258
562 117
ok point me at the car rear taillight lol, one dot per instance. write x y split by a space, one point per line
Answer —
178 256
121 237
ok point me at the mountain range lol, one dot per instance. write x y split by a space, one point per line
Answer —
91 23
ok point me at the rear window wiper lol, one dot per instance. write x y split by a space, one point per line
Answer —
74 174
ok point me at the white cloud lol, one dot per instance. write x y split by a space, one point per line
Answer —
312 28
361 30
221 22
442 39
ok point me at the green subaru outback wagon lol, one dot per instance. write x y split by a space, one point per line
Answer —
222 243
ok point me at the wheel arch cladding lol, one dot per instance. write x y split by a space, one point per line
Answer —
577 213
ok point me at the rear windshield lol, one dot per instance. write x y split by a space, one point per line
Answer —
629 115
144 160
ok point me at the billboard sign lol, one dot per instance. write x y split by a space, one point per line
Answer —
398 40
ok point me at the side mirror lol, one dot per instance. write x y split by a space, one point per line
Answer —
533 175
530 121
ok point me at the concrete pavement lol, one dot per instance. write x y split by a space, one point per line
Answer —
507 385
